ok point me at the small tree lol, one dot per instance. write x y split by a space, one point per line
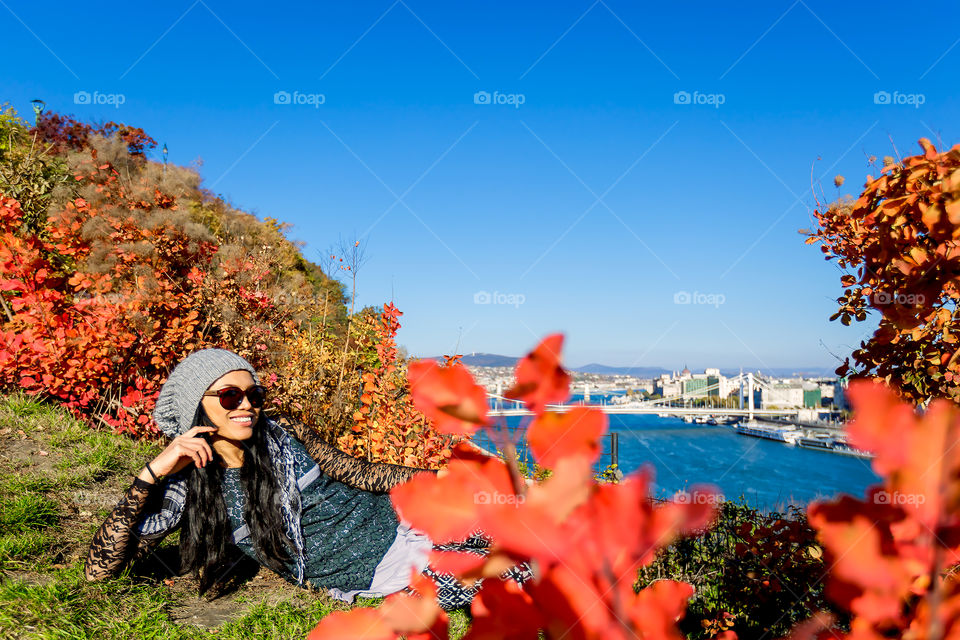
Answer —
898 247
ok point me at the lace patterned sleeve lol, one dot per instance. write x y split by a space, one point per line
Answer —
115 542
369 476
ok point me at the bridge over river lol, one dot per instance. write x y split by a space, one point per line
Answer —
675 406
651 408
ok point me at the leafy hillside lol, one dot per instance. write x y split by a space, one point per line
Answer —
113 267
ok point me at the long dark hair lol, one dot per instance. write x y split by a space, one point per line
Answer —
205 536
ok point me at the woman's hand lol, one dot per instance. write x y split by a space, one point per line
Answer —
183 450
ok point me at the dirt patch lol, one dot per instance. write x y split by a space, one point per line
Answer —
209 614
20 452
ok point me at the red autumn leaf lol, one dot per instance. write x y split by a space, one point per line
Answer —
467 450
406 613
539 524
656 609
914 453
449 508
573 603
540 379
448 396
552 436
357 624
454 562
866 577
504 611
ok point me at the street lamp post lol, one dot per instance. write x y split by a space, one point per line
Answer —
164 159
38 106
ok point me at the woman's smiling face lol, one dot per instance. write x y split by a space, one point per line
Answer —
236 424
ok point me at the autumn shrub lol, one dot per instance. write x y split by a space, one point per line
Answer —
386 426
30 173
755 573
103 291
897 244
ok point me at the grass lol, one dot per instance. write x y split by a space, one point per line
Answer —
58 481
27 520
70 607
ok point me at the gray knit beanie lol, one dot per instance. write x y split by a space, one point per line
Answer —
182 392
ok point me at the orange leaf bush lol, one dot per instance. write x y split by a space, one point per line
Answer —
898 244
386 426
133 266
893 555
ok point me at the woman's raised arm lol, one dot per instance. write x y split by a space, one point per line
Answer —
369 476
115 542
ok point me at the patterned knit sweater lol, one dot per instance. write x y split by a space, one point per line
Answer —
346 531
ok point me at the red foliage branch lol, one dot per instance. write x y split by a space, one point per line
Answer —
386 426
586 541
63 132
898 243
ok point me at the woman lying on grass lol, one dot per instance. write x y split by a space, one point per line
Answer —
272 488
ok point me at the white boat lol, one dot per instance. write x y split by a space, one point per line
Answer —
788 435
823 442
818 442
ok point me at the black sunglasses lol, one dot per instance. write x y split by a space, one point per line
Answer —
232 397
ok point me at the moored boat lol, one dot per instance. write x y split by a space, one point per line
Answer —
821 443
831 444
788 435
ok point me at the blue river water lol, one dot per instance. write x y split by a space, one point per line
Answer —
768 475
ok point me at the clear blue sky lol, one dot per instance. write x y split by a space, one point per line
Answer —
594 203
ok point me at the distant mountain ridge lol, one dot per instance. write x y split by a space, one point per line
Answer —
639 372
496 360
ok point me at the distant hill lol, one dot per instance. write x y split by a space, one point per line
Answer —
495 360
484 360
639 372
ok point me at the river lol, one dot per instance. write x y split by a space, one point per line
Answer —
768 475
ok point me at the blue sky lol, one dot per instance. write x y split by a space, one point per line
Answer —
584 192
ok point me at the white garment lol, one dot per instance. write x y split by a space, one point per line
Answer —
410 550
